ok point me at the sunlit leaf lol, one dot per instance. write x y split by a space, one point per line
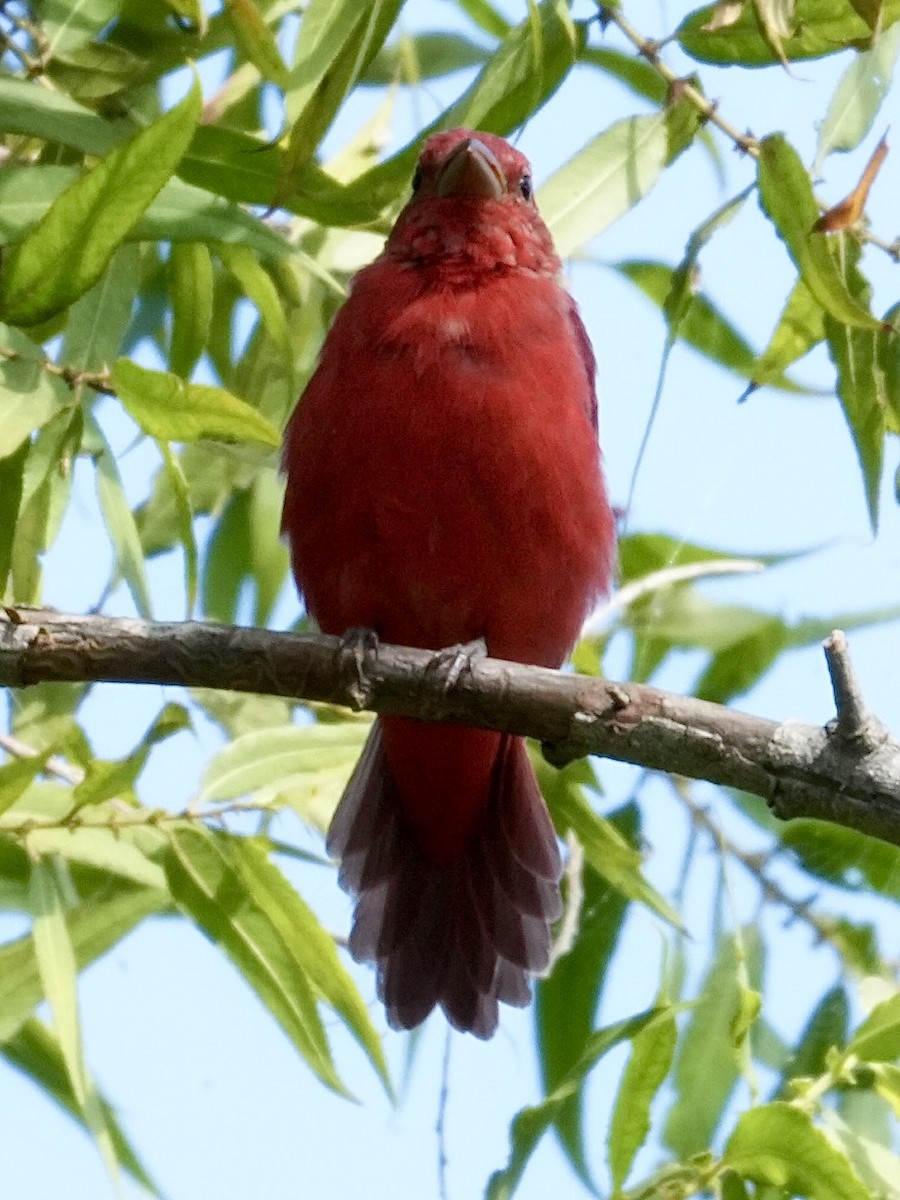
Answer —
777 1144
858 97
608 176
169 409
706 1070
652 1051
566 1001
530 1124
35 1052
207 884
70 247
819 27
787 199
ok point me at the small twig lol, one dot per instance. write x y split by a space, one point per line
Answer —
892 249
756 865
852 714
649 50
53 766
100 381
440 1125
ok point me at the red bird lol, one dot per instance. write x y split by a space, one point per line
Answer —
444 486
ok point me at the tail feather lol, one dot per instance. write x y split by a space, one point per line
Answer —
464 935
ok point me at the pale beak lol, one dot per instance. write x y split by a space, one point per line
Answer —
472 170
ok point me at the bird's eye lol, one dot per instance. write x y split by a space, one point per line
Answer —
525 187
417 179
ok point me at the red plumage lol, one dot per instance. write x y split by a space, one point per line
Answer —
444 485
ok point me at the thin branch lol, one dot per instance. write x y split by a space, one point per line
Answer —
100 381
800 770
649 50
53 766
756 864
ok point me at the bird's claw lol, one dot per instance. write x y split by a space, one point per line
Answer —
356 646
449 664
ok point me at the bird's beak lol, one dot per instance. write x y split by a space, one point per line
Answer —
472 170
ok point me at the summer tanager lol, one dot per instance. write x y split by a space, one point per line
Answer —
444 486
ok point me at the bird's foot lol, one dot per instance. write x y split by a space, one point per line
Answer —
452 662
358 647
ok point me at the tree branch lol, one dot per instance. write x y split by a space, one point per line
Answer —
800 770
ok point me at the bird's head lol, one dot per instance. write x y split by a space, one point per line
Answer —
472 208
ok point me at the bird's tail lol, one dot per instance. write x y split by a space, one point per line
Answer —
464 934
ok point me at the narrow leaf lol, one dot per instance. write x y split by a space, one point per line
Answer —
530 1124
70 247
206 884
652 1051
800 327
858 97
860 382
850 211
602 181
819 27
190 278
121 526
169 409
35 1052
778 1145
787 199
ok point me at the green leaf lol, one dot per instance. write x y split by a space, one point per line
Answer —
29 394
180 213
306 766
819 27
12 469
46 481
68 24
530 1124
605 179
738 667
858 97
204 877
108 850
260 289
800 327
606 849
566 1000
778 1145
169 409
860 381
707 1067
94 927
651 1057
68 250
878 1038
311 947
16 776
337 39
53 117
58 973
257 40
185 521
97 322
35 1052
416 57
787 199
190 278
120 524
702 326
524 71
825 1030
637 75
